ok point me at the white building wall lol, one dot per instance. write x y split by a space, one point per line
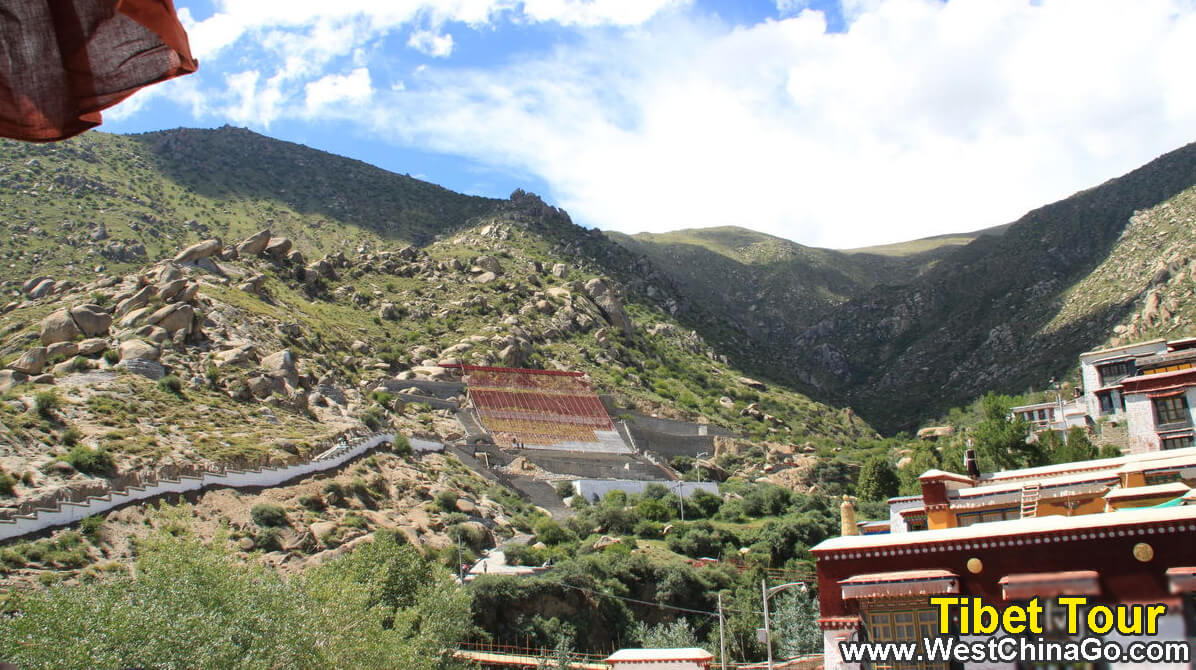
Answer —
1091 378
1140 421
896 521
657 665
832 658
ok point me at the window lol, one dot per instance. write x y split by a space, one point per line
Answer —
987 516
916 523
1106 402
1115 372
1153 478
1179 442
1173 409
902 622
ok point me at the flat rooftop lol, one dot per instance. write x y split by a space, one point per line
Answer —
1016 527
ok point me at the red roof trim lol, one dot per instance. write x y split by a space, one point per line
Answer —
1050 584
1163 381
524 371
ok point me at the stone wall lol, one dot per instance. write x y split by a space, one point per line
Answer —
68 512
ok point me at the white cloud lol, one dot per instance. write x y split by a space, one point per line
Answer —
924 118
235 19
432 44
354 88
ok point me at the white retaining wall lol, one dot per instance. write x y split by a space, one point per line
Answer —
71 512
421 446
600 487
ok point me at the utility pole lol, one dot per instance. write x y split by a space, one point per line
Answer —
722 638
460 562
767 632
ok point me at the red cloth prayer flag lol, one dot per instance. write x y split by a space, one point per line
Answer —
63 61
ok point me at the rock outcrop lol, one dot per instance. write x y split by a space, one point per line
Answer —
612 308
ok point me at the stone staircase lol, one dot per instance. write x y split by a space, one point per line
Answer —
121 492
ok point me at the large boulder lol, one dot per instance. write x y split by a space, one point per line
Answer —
93 346
61 350
389 311
139 299
146 368
135 317
171 289
242 356
254 284
173 318
604 296
560 270
138 350
11 378
43 289
32 282
32 362
489 264
92 320
278 248
263 387
197 251
59 327
282 365
254 244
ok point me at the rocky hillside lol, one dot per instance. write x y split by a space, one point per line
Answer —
252 347
1008 313
764 289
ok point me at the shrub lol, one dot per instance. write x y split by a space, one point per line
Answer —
71 436
355 521
7 483
447 500
268 539
374 417
91 527
312 502
111 356
171 384
401 447
564 489
648 529
266 514
383 398
92 461
45 403
334 493
468 534
653 510
550 532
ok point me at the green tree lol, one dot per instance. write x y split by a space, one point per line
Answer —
195 605
795 625
677 634
923 459
1000 443
1077 447
877 480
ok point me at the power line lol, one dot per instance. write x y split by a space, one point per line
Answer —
648 602
632 600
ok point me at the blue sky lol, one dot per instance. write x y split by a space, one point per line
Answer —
835 123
